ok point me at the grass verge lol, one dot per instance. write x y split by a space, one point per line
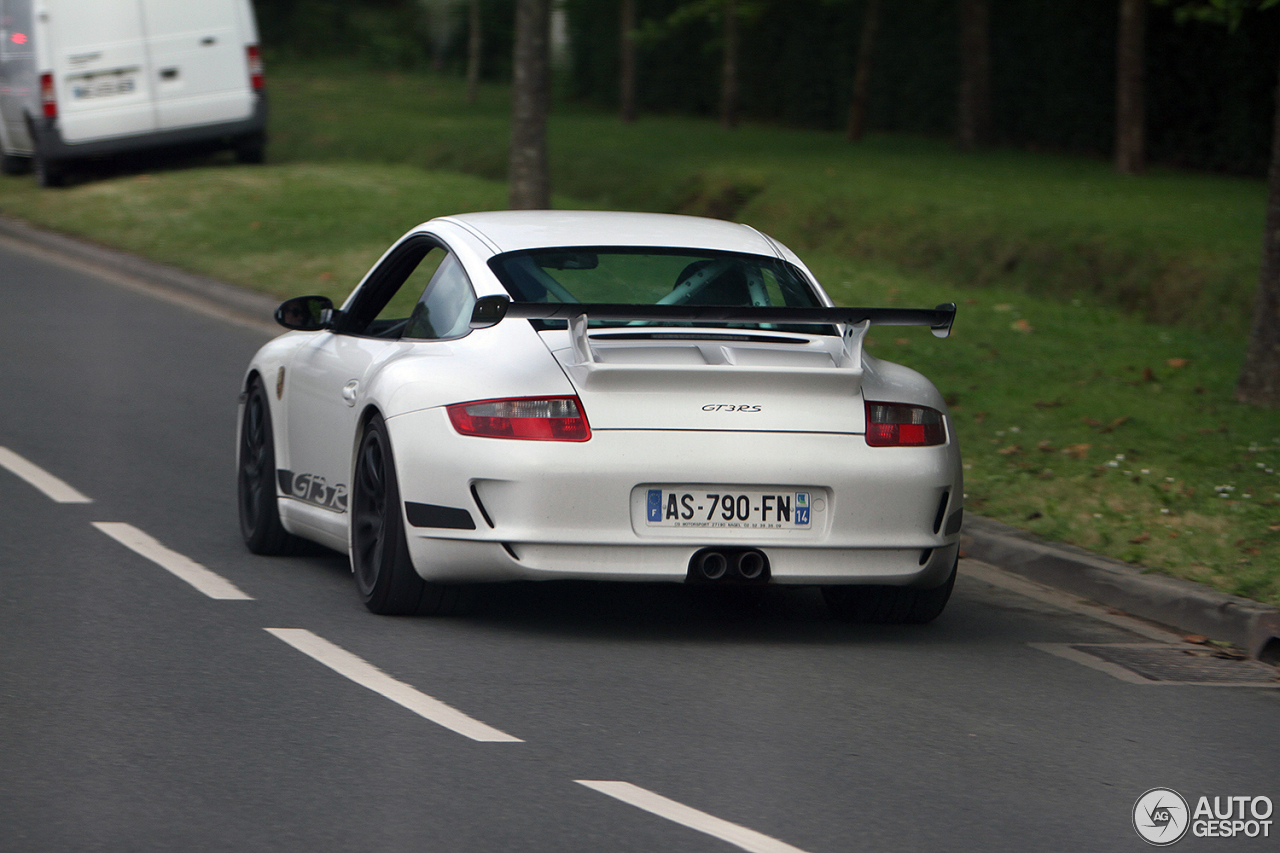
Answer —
1078 418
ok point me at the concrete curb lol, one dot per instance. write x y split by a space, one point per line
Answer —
253 307
1176 603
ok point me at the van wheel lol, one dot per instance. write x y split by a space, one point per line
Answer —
251 150
11 164
49 173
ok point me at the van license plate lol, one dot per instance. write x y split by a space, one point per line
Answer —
104 85
744 509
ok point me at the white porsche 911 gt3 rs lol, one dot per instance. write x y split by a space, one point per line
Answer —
620 396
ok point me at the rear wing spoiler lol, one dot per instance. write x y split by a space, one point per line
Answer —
491 310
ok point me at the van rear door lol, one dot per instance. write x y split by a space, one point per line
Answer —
102 76
201 68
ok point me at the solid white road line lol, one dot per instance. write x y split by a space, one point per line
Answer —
367 675
212 585
747 839
41 479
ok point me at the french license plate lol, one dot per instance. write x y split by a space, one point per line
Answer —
104 85
744 509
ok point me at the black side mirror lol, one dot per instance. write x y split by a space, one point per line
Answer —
489 311
306 313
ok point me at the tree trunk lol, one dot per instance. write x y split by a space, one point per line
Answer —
1130 110
530 180
627 62
862 72
973 110
729 70
1259 382
473 51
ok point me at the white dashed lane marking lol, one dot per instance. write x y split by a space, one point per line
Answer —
740 836
54 488
212 585
367 675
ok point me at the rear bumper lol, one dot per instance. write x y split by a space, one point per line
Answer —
49 141
563 509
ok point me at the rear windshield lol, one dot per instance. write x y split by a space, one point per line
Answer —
648 276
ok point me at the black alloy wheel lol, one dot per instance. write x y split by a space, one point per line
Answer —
256 478
385 576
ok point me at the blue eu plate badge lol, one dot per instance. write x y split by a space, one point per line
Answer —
802 508
654 505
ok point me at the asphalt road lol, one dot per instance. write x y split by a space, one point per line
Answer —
138 713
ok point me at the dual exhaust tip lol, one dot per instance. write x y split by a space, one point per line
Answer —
728 565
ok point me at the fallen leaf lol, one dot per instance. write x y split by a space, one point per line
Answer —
979 417
1148 375
1051 404
1140 538
1077 451
1091 422
1011 450
1045 446
1021 325
902 342
1116 424
1196 639
1177 363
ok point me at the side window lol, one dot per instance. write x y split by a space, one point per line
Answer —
390 322
444 311
389 296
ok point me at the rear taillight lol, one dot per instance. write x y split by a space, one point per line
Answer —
530 418
48 98
898 425
256 77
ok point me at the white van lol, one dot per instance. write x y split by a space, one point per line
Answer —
88 78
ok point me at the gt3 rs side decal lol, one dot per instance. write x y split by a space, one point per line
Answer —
313 489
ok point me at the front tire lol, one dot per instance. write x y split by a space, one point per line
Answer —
256 481
380 560
11 164
889 604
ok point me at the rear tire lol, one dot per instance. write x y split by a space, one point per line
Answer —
49 173
388 583
888 604
251 150
256 481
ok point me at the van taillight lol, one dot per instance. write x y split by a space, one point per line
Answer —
256 79
47 96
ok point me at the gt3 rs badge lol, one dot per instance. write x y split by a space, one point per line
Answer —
313 489
726 407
